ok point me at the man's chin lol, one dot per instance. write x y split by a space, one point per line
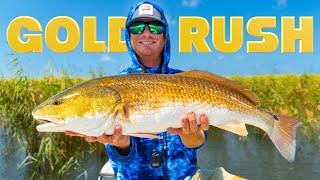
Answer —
148 49
147 52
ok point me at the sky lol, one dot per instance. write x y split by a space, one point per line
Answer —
78 63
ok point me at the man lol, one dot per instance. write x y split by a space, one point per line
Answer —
173 156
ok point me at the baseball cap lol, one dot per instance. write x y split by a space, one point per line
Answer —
146 11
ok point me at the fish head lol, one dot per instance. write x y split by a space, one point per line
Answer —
77 109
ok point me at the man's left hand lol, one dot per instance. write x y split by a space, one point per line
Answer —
191 133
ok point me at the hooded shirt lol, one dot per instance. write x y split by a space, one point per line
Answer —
163 158
136 66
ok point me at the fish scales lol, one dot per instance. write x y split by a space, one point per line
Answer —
146 104
157 90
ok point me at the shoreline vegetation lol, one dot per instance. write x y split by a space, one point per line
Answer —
56 153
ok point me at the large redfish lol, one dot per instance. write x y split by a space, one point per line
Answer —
146 104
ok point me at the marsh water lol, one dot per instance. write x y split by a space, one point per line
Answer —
253 157
256 157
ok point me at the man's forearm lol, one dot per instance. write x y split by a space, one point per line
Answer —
193 140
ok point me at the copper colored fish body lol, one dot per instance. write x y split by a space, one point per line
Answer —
146 104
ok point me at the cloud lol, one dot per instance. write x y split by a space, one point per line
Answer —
279 4
282 2
190 3
221 57
240 57
106 58
171 21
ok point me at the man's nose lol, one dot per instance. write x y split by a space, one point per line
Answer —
146 31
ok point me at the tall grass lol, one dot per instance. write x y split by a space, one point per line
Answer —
294 95
49 154
56 153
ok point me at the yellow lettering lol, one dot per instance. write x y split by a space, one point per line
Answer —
90 44
115 44
52 34
188 37
236 34
269 40
33 42
289 34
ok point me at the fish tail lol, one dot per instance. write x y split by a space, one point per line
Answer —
283 135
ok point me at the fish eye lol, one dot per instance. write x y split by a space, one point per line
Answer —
56 103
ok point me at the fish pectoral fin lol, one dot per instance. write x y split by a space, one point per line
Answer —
145 135
124 113
237 128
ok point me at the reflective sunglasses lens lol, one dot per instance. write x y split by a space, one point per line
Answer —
137 28
156 28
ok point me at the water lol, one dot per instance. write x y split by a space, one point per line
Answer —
251 157
257 158
12 154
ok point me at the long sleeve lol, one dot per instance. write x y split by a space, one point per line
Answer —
121 159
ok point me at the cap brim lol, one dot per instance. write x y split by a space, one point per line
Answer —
146 19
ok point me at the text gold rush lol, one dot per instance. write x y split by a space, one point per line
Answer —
193 32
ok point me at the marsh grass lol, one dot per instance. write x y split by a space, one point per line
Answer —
49 155
294 95
55 155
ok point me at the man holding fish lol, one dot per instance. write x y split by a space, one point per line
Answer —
148 105
172 156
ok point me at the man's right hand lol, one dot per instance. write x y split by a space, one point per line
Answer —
121 142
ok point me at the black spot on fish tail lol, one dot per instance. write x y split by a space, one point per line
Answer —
275 117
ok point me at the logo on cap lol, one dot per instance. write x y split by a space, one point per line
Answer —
146 9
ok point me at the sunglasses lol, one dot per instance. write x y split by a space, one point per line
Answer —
138 27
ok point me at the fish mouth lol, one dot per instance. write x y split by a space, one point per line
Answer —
47 119
44 121
49 124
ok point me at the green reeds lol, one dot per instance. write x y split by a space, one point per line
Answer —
49 155
294 95
56 153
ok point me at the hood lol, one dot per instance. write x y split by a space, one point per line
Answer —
136 66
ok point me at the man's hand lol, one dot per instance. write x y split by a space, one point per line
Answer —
191 133
121 142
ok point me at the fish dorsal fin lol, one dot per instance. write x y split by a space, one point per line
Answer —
252 97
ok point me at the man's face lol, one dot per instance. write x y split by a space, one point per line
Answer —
147 44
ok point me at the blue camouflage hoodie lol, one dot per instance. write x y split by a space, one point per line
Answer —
176 160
